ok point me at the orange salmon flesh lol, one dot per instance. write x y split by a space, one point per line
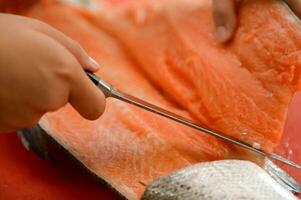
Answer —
165 52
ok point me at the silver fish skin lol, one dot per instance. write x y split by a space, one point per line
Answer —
226 179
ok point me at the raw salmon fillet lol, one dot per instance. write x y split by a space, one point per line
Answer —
243 88
165 53
127 147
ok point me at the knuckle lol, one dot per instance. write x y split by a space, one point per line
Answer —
58 60
78 50
76 46
66 65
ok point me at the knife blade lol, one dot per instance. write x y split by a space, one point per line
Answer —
110 91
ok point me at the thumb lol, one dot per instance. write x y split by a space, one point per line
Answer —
85 97
225 19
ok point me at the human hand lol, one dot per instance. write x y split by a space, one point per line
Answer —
224 14
41 70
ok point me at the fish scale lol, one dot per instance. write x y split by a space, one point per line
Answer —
228 179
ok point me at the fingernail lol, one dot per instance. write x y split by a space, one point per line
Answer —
93 63
221 33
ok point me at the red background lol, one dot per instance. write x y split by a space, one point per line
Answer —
26 177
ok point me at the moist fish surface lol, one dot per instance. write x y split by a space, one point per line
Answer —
165 52
226 179
242 88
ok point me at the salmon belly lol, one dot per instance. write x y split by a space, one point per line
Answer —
165 52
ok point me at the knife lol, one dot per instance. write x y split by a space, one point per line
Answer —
110 91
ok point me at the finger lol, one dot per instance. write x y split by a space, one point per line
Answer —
225 19
85 97
74 47
295 6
